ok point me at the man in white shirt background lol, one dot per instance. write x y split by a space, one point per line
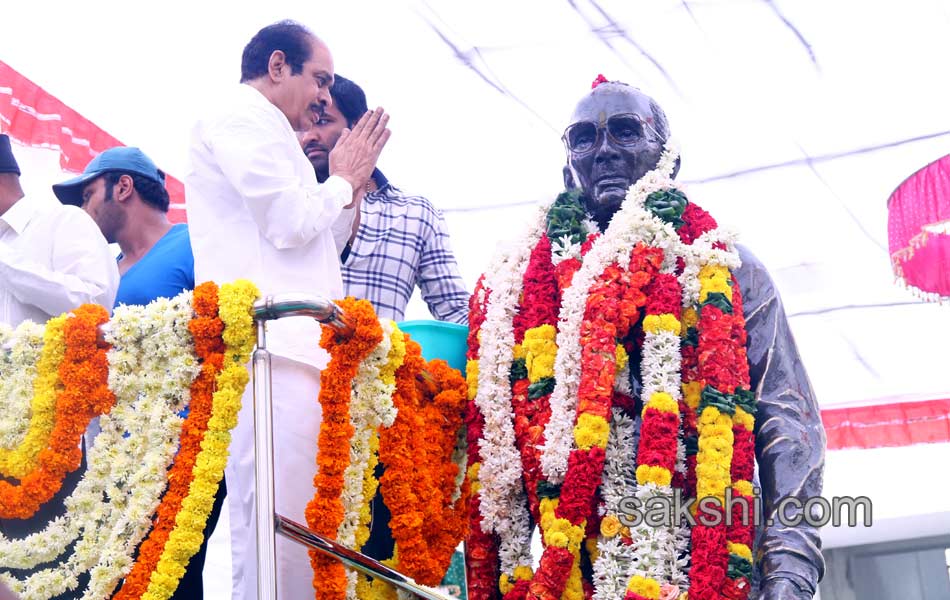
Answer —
256 211
52 259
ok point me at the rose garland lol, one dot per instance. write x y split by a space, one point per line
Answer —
44 375
239 336
325 512
84 372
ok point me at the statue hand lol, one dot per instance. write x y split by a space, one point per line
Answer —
783 589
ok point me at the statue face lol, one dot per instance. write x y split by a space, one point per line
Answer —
611 143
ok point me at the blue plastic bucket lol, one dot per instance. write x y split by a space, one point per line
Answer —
448 341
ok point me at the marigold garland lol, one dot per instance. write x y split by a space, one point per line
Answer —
206 328
21 461
84 372
324 512
235 306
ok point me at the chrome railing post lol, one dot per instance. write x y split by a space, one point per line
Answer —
264 469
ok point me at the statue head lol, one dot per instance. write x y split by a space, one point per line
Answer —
616 136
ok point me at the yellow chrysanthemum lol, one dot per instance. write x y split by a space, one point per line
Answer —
517 352
654 474
471 378
690 318
644 586
740 550
539 352
562 534
744 419
662 402
591 430
741 486
621 356
692 392
665 322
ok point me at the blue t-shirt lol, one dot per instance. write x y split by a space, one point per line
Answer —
166 271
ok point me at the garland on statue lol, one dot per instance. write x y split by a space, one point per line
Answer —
657 284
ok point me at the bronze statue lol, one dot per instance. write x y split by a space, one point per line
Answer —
616 136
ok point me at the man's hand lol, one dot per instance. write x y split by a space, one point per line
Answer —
356 152
783 589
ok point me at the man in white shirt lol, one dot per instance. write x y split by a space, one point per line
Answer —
52 259
256 211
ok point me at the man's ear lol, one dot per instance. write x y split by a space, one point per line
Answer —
277 65
123 188
569 183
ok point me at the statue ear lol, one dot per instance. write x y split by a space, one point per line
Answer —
676 169
569 183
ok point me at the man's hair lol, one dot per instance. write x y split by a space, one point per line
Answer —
290 37
349 98
150 191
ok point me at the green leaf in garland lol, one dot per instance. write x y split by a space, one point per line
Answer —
745 399
668 205
540 388
739 567
548 490
691 338
710 396
566 218
720 301
518 371
691 445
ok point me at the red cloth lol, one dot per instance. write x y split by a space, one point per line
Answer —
33 117
887 425
921 258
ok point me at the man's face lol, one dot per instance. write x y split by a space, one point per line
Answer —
321 138
303 94
98 200
611 143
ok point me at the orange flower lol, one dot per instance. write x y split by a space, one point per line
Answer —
324 512
84 373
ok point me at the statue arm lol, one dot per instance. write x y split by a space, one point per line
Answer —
790 438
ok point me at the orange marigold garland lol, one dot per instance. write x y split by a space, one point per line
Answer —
324 512
206 328
84 373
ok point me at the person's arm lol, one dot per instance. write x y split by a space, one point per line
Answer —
83 271
789 439
438 277
258 160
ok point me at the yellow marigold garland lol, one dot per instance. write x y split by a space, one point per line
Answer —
21 461
185 539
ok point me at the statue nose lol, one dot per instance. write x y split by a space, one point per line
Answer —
605 150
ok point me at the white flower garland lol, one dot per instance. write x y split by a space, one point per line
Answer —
152 366
371 405
630 224
19 352
503 503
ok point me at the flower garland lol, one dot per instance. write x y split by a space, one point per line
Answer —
325 512
126 473
205 328
25 367
239 336
673 241
19 353
84 372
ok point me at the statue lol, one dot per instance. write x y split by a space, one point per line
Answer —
619 179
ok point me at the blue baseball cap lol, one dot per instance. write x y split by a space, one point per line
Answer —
121 158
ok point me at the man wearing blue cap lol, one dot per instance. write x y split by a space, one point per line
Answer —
124 192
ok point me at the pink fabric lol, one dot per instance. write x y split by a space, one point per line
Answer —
921 257
33 117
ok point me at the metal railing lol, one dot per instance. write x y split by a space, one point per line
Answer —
268 522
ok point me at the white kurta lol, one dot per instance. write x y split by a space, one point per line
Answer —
256 211
53 259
